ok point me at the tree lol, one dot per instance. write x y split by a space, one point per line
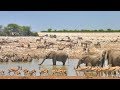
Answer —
6 31
64 30
12 29
101 30
49 30
109 30
1 26
95 30
1 31
17 30
34 34
26 31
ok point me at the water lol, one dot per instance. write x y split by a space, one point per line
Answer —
34 65
70 64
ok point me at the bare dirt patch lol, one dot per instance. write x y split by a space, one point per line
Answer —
53 77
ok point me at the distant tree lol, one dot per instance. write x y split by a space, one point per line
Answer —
82 30
1 26
100 30
49 30
95 30
109 30
16 30
26 31
11 29
34 34
1 31
6 31
64 30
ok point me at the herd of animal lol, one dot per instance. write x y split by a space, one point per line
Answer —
92 51
20 71
99 71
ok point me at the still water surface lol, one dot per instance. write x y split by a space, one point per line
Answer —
70 64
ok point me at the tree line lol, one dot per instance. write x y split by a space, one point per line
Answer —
16 30
82 30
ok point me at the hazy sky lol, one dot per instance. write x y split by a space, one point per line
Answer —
42 20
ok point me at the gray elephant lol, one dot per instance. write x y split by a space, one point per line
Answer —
93 60
113 57
56 56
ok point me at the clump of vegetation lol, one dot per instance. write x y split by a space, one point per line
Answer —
64 30
16 30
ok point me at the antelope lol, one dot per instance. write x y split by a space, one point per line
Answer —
83 69
62 71
32 72
14 69
2 72
17 73
26 72
43 71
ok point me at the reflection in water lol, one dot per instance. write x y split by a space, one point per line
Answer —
69 67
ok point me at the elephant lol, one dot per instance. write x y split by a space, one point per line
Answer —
113 57
56 56
93 60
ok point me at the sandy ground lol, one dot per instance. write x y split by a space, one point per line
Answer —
106 39
53 77
73 54
81 34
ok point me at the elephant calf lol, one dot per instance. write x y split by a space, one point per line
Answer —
93 60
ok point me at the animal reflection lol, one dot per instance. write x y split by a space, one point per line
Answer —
59 71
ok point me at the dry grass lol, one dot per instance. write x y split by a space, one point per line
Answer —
73 54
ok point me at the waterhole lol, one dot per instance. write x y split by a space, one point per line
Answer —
69 66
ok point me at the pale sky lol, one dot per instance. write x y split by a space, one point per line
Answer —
42 20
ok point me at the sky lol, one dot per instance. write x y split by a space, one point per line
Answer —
42 20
